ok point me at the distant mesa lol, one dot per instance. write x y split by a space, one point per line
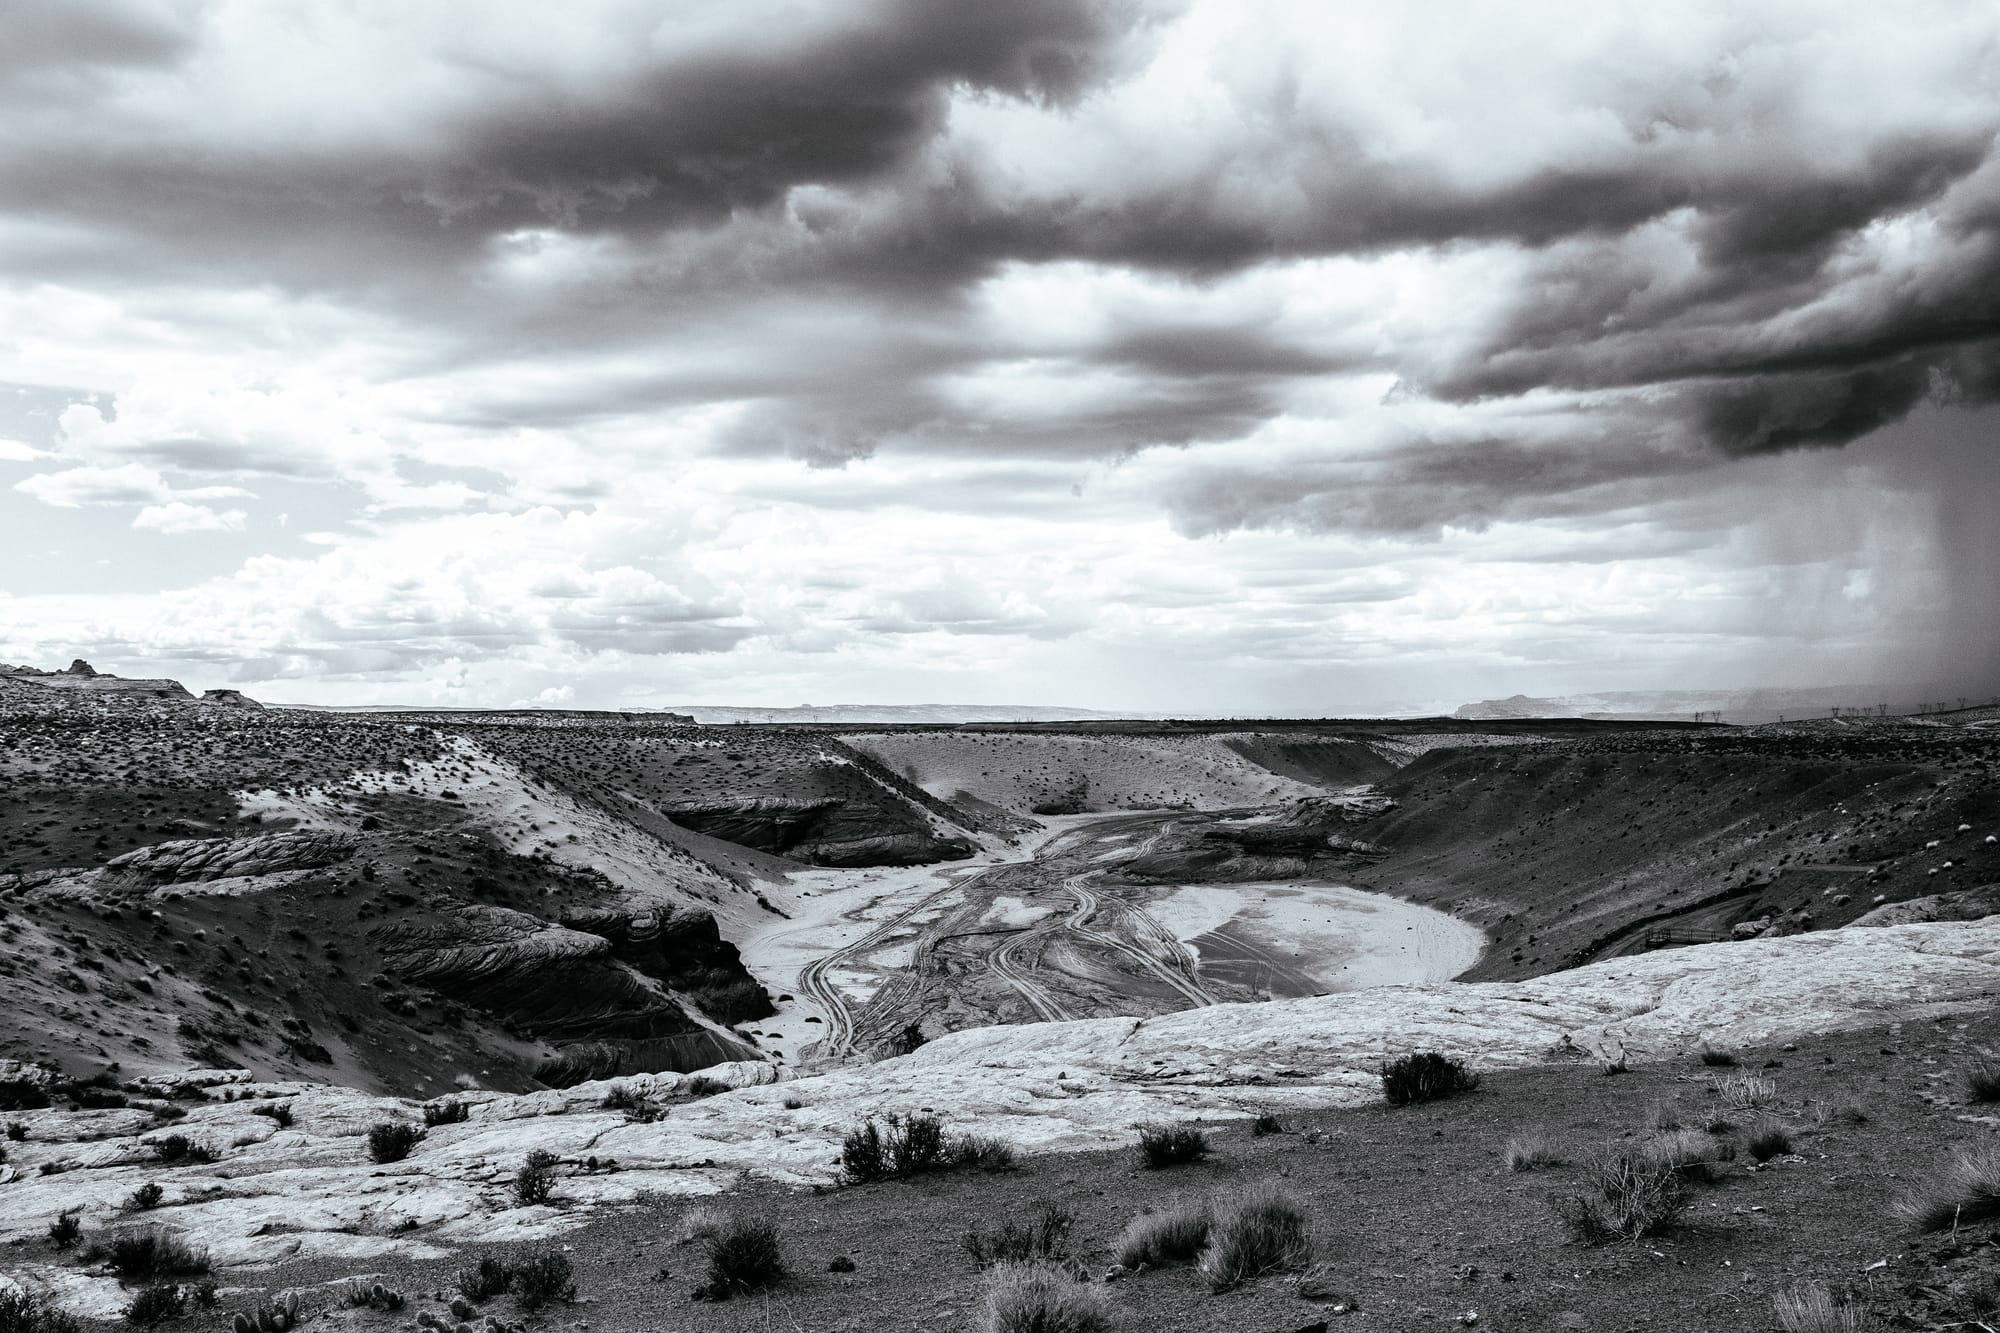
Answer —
81 676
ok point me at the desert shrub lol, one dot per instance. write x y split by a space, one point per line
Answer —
1810 1308
744 1254
1265 1231
1768 1138
147 1195
1982 1081
1043 1298
65 1229
918 1145
180 1148
1267 1122
1163 1143
536 1180
1046 1239
392 1140
16 1131
1529 1150
484 1280
1744 1092
912 1145
1717 1058
84 1098
18 1094
1690 1154
1965 1189
146 1253
1633 1193
156 1304
24 1312
535 1282
282 1114
1837 1113
1427 1076
446 1111
701 1085
1176 1234
985 1151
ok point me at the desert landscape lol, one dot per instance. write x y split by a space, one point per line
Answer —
1057 666
333 1001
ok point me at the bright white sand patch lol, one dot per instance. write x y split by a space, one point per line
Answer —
1344 938
1018 912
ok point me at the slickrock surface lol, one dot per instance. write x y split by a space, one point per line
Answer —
311 1189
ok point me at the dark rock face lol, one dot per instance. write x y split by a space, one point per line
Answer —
568 986
683 950
194 860
824 831
79 667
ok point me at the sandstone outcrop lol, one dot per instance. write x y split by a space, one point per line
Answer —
826 831
194 860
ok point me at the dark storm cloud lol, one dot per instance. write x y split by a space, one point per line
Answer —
53 48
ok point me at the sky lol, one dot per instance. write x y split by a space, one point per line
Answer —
1240 357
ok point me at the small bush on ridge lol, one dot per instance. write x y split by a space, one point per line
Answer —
536 1180
147 1195
392 1140
446 1111
1163 1143
1427 1076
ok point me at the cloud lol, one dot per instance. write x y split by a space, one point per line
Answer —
176 518
847 307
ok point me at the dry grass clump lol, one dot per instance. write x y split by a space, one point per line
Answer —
1044 1240
1635 1192
1768 1137
744 1254
1176 1234
1164 1144
1982 1080
1965 1189
1810 1308
1264 1231
1529 1150
1688 1153
1043 1298
1663 1117
1744 1092
699 1223
1716 1057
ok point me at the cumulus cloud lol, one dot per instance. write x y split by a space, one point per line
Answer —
177 517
